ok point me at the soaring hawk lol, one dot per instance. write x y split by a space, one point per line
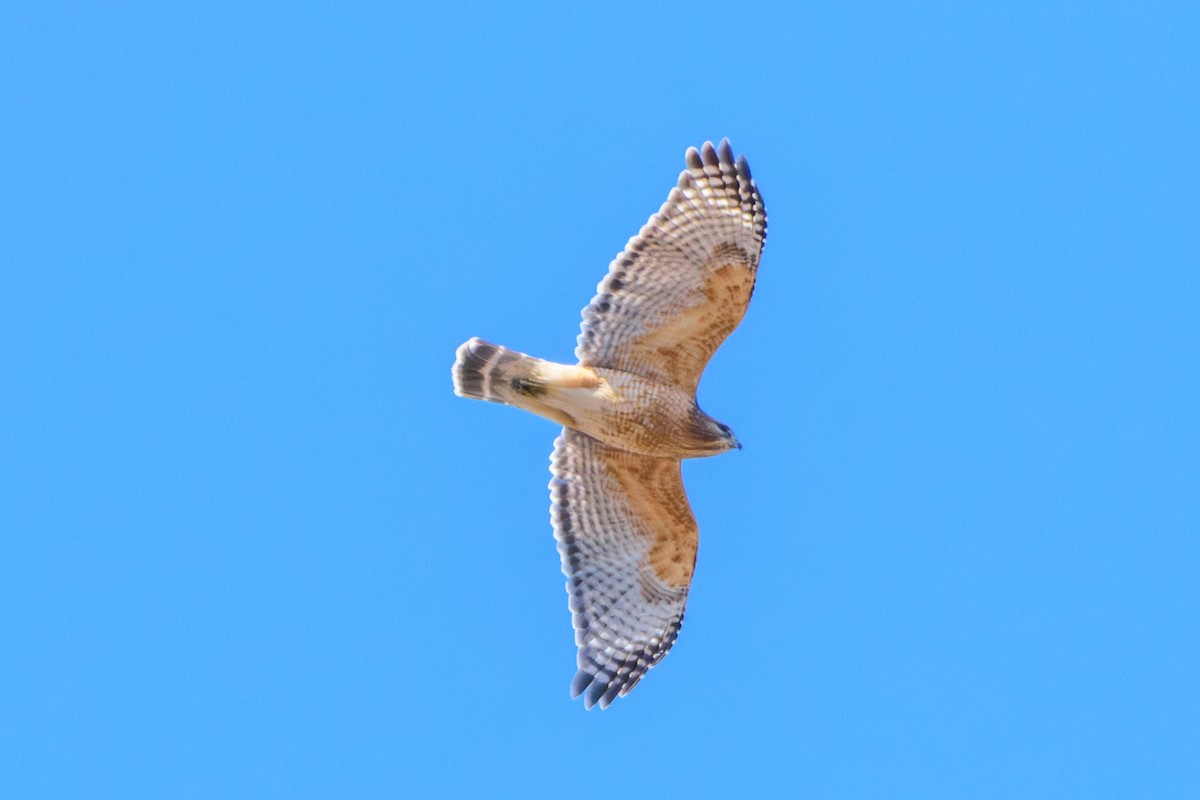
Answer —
624 527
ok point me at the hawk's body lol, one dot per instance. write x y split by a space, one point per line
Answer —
628 409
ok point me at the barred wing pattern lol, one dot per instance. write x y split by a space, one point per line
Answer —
682 284
627 539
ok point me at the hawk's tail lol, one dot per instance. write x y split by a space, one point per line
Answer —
487 371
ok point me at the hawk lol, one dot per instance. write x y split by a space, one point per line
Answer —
625 529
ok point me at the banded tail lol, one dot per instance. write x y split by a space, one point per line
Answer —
486 371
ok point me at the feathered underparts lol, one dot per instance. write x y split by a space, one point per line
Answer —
625 529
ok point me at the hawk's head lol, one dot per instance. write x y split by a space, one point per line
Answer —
732 440
711 437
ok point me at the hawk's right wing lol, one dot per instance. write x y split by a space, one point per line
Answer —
628 542
683 283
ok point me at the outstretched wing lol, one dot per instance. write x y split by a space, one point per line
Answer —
628 540
683 283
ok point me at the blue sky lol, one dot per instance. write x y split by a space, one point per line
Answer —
252 546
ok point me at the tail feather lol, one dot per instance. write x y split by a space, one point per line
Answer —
486 371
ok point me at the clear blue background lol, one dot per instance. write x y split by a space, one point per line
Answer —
252 545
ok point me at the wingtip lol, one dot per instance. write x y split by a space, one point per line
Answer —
597 690
725 151
614 689
709 155
743 167
580 684
597 695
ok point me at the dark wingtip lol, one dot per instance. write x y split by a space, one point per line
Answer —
743 167
692 157
580 684
595 694
709 154
725 151
614 689
596 689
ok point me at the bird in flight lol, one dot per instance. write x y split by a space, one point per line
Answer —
625 529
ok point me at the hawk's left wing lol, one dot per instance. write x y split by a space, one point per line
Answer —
628 541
